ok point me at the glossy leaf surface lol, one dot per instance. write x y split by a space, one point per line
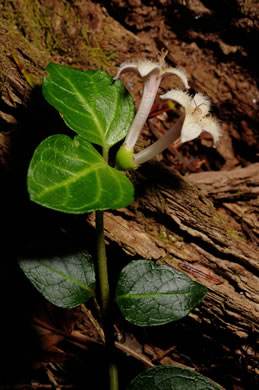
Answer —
150 294
71 176
91 103
66 280
167 377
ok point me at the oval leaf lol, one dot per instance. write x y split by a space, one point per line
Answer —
66 280
150 294
91 103
167 377
71 176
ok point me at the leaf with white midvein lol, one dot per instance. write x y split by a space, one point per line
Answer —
90 102
70 175
150 294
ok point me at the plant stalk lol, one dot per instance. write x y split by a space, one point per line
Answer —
103 281
102 265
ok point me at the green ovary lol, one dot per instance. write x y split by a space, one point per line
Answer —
124 159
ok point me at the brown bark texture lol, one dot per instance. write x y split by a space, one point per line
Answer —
206 223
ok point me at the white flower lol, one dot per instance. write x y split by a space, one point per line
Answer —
152 73
145 67
197 117
189 126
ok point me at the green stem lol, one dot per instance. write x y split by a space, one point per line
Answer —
104 289
102 265
105 152
113 372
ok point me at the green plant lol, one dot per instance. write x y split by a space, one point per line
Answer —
72 176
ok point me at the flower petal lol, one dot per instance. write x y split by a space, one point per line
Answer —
178 72
190 129
212 126
201 103
180 97
144 68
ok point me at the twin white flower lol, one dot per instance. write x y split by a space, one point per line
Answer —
189 126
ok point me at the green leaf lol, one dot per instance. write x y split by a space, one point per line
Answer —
150 294
71 176
91 103
64 279
167 377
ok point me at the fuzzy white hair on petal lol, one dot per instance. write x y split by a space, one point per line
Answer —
142 67
147 67
201 103
212 126
179 96
178 72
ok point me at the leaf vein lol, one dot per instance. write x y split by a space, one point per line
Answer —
151 295
70 180
85 103
67 277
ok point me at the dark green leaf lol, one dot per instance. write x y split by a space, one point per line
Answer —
65 279
91 103
71 176
150 294
167 377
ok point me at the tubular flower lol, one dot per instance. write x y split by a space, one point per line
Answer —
197 118
189 126
152 74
